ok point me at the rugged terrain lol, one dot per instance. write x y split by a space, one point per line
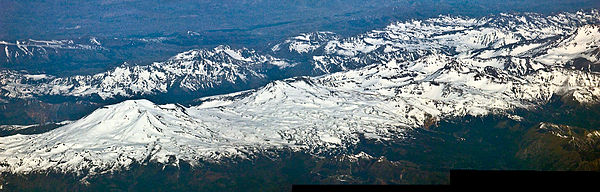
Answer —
414 99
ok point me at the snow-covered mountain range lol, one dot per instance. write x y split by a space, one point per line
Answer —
378 85
191 70
516 41
30 47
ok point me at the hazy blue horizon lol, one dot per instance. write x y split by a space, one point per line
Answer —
224 20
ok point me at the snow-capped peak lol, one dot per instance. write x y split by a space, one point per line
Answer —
306 42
